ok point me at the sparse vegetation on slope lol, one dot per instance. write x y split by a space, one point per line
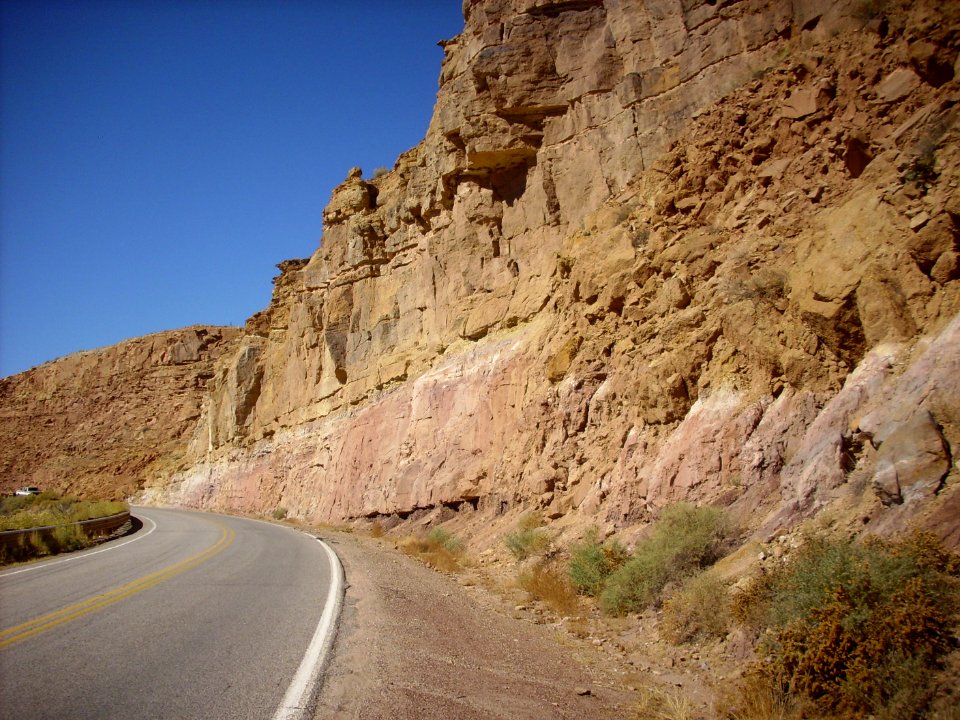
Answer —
439 549
854 629
685 539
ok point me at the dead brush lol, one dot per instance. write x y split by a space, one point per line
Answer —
549 585
663 704
754 697
698 611
438 548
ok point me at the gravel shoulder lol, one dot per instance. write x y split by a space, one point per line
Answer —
416 643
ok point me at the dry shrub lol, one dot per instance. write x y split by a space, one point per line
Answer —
858 629
550 586
438 549
946 701
531 520
376 529
699 610
579 628
754 697
657 703
765 285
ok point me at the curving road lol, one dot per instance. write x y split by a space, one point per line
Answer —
194 616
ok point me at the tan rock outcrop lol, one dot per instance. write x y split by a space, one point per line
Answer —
551 303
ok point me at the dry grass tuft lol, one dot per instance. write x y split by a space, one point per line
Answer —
376 529
698 611
662 704
551 587
439 549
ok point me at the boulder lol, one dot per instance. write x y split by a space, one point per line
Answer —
911 462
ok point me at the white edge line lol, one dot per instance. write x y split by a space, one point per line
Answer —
300 693
41 565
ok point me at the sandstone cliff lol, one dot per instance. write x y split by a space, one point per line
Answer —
646 251
595 289
97 423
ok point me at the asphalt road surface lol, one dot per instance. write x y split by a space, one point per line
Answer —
193 616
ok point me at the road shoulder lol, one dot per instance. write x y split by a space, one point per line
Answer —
413 643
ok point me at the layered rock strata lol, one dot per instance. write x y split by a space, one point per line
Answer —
594 289
647 251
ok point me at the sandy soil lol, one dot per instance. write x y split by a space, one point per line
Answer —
417 643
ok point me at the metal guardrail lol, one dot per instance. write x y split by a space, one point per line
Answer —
95 527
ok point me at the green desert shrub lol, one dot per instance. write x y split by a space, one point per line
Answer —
440 537
529 537
685 539
592 562
857 629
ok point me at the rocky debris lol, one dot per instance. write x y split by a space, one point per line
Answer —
912 462
897 85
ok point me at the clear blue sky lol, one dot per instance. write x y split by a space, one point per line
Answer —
157 159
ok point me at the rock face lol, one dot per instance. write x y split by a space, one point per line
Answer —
98 423
647 251
593 288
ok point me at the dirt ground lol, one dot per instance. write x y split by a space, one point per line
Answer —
417 643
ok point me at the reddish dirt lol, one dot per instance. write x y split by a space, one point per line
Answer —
415 643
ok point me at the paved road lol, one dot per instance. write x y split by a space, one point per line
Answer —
194 616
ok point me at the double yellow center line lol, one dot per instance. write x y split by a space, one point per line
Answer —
43 623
